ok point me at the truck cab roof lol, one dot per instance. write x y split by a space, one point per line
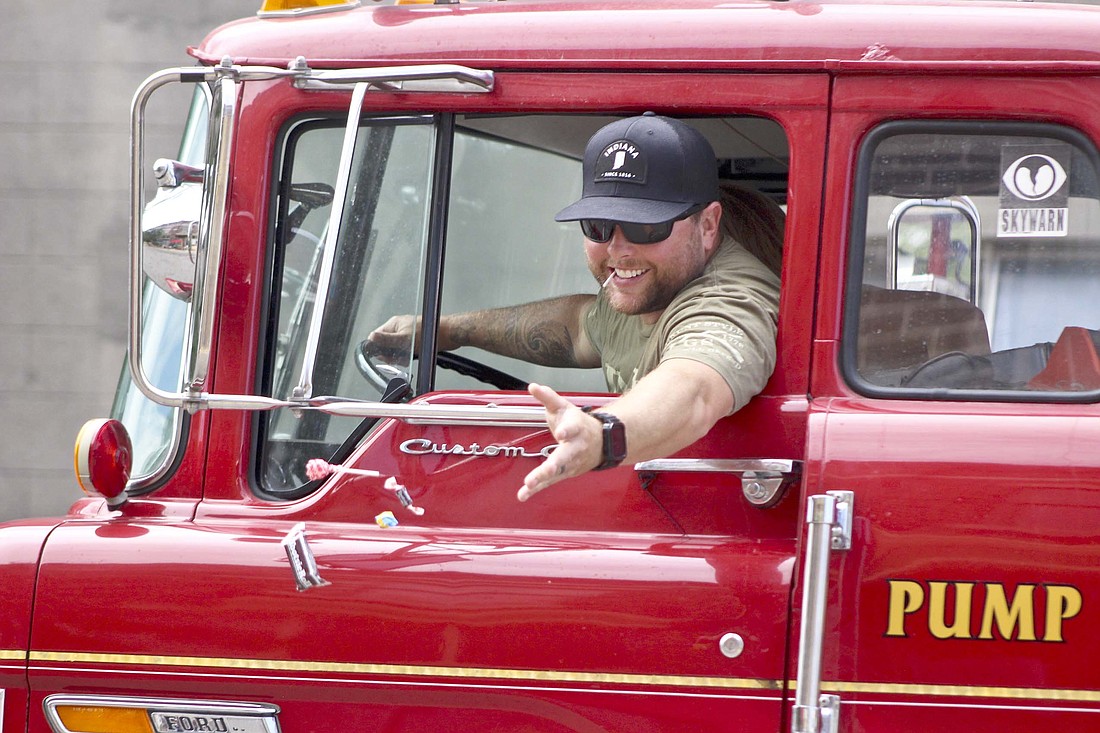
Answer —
741 34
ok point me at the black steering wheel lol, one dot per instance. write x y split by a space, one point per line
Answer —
375 369
380 372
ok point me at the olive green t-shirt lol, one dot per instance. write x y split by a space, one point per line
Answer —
725 318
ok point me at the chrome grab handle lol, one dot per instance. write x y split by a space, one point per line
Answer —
829 523
763 480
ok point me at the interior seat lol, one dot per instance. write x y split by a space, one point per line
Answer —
900 329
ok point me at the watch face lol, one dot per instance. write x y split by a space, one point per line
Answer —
614 440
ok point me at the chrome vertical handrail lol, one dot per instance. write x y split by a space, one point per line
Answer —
828 528
215 236
137 188
211 244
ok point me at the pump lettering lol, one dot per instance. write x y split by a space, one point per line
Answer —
970 610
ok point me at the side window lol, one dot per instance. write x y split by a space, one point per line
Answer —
512 174
975 265
508 175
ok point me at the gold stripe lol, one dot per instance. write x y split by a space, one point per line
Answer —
1010 693
17 655
538 675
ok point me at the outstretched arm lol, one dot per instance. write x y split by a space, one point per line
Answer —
546 332
668 409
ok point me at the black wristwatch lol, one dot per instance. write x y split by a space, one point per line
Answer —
614 440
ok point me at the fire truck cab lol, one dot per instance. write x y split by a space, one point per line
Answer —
898 533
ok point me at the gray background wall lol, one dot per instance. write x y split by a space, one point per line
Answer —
70 70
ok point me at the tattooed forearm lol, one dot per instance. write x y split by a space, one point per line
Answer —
541 333
542 342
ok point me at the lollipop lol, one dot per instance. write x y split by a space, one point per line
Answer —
317 469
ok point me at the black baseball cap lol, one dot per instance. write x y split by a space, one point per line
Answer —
645 170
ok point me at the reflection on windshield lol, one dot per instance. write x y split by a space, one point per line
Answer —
153 427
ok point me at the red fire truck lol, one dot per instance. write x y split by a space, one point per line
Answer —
899 534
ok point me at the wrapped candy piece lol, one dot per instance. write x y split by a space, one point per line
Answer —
402 495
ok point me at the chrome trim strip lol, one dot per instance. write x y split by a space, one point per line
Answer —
423 78
968 706
963 691
416 413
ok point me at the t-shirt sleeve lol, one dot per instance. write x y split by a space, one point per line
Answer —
730 328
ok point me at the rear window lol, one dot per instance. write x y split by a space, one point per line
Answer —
975 268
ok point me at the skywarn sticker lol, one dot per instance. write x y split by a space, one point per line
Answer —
968 610
1034 191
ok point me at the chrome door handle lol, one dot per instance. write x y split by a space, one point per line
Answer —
763 480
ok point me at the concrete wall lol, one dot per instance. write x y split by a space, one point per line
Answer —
70 70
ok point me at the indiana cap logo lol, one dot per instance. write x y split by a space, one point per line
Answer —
622 161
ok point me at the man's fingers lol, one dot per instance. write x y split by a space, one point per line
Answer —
571 456
551 400
546 474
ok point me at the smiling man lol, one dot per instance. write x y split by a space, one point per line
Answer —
684 323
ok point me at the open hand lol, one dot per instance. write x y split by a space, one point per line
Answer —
580 442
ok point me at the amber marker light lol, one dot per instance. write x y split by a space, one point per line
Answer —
102 459
283 6
96 719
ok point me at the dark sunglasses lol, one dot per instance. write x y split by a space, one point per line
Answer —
600 231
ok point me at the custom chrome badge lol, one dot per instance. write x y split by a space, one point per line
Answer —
425 447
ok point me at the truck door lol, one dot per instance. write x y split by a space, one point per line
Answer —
959 403
651 597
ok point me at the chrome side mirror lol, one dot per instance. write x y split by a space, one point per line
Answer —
170 228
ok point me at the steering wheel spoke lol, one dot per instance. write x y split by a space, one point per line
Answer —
379 372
